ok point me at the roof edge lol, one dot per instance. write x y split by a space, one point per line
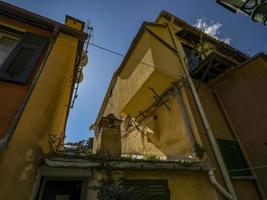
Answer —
181 22
31 18
133 165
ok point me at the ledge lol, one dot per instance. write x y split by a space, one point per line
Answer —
72 162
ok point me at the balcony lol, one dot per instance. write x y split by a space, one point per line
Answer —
155 85
212 66
209 57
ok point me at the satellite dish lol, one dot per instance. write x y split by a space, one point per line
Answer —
79 77
84 59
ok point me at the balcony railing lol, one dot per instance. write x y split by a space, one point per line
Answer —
209 57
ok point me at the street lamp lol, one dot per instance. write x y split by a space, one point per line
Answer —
256 9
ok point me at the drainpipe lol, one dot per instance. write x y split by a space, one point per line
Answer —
204 119
180 91
186 118
219 187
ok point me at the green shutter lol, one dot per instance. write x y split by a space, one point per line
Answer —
158 192
22 60
233 158
148 189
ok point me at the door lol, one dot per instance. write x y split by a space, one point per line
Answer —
61 190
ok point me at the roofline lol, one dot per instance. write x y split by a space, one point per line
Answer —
31 18
236 68
184 24
251 59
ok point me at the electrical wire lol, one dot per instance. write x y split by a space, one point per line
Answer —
135 60
245 169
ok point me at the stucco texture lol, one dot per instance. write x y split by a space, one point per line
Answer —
44 116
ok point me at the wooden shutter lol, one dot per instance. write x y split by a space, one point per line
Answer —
148 189
233 157
158 191
20 63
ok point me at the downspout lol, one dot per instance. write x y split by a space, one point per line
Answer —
219 187
180 91
204 119
186 118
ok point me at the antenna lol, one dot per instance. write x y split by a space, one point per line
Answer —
89 31
82 62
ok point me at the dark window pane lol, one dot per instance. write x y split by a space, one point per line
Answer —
55 190
192 56
233 158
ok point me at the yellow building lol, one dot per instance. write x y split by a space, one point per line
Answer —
39 61
177 94
172 123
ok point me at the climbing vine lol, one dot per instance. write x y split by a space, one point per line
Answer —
111 186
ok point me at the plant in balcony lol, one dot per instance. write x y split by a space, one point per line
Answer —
151 157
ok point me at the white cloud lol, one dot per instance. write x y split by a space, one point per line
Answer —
212 28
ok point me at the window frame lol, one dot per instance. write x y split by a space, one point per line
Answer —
236 150
146 183
4 33
16 56
191 47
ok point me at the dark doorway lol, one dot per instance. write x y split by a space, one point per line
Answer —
61 190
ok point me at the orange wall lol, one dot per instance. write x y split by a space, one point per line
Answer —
12 94
244 97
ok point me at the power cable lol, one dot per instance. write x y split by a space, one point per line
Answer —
245 169
133 59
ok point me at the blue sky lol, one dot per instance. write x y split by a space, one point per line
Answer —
115 24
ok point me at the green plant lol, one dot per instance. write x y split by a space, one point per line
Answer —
184 163
199 151
110 187
151 157
56 143
128 157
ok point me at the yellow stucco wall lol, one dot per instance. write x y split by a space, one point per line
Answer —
170 137
155 62
43 116
131 94
165 134
182 185
214 114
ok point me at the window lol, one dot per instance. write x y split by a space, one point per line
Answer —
7 44
233 158
148 189
64 189
192 56
19 53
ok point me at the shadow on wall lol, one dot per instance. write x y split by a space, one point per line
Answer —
163 134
